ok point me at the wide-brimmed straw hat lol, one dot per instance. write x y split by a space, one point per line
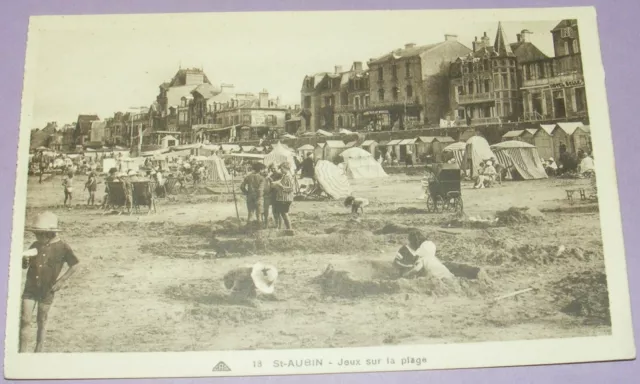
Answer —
264 277
45 222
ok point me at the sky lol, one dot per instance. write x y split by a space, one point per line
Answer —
103 64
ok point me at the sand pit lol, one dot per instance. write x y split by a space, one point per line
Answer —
584 294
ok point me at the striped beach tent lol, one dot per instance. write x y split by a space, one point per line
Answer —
477 151
521 157
457 149
216 170
332 180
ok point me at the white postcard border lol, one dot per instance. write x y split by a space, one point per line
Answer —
619 345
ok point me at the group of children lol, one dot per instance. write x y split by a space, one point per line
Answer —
269 187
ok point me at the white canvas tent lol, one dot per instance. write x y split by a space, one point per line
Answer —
522 157
216 170
332 180
280 154
360 164
477 150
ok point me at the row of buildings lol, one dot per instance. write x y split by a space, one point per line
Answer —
188 109
450 84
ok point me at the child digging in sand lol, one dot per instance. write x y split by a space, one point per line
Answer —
357 204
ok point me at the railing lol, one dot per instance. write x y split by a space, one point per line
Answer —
535 116
475 98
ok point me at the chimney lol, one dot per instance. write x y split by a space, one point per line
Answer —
524 36
409 45
338 69
357 66
264 99
486 42
475 44
451 37
519 38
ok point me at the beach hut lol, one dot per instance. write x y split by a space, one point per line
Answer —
280 154
457 150
407 148
393 146
332 149
318 151
369 146
360 164
525 135
305 149
476 151
522 158
432 146
573 136
169 141
543 141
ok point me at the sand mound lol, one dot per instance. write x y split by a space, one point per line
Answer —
461 220
517 216
584 294
411 211
354 226
393 228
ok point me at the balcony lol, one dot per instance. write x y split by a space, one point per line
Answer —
476 98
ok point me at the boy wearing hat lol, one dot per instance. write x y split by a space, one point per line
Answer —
248 281
44 262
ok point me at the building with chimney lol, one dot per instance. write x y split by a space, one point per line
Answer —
410 86
240 117
83 129
485 83
334 100
172 113
553 89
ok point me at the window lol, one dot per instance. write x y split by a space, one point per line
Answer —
407 68
183 117
395 93
581 101
394 71
470 88
576 46
409 91
246 119
505 83
566 47
380 74
566 32
307 101
381 94
344 98
366 100
236 119
487 85
356 101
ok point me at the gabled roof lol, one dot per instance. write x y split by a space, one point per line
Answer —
335 144
407 141
565 23
405 53
368 142
393 142
501 45
548 128
221 97
513 133
180 78
569 128
526 51
444 139
532 131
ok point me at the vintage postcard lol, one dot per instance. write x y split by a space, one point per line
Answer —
283 193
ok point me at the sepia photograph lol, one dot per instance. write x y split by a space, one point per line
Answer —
324 199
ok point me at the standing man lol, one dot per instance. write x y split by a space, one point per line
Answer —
49 254
92 186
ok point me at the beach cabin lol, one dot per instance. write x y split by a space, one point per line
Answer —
332 149
543 140
318 151
392 146
573 136
304 150
407 149
169 141
369 146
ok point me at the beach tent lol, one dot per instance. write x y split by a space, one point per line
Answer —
457 149
476 151
360 164
523 157
280 154
332 180
332 149
215 169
